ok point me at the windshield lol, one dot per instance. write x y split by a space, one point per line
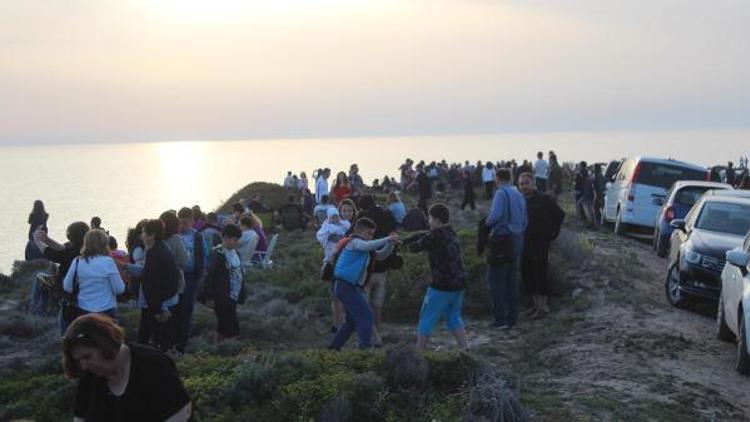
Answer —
725 218
664 175
690 195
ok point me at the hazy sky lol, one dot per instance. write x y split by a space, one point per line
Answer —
147 70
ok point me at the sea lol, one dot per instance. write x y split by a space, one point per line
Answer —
126 182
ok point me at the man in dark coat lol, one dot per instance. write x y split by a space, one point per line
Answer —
545 219
424 189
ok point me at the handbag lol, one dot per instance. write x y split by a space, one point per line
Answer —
69 302
500 246
327 270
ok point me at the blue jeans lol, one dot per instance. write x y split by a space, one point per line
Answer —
187 307
39 298
358 316
504 293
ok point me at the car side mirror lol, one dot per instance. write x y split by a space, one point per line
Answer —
739 259
678 224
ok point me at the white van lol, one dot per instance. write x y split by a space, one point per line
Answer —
636 194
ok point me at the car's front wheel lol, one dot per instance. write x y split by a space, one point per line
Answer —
743 360
672 287
723 332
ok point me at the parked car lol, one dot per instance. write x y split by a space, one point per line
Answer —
634 198
736 193
699 244
611 170
680 198
733 316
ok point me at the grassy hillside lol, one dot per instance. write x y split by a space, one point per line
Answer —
278 369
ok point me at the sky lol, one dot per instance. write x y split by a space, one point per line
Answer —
80 71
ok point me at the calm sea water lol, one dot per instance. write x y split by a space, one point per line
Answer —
123 183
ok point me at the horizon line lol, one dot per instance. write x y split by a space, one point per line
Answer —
371 136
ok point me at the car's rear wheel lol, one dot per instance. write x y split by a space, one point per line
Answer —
620 227
743 360
672 287
723 332
662 247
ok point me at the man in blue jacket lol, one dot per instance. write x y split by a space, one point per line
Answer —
507 218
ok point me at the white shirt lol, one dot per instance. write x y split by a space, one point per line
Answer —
288 182
541 168
488 175
99 283
246 242
321 188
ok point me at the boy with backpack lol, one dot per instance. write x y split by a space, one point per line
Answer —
444 296
351 270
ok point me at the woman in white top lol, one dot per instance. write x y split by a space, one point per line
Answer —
332 230
96 274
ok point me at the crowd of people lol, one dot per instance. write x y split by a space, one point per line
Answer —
186 256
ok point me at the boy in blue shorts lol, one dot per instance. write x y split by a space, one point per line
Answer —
445 294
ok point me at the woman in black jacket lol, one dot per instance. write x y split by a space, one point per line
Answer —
545 219
158 296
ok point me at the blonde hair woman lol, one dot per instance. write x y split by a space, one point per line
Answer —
93 276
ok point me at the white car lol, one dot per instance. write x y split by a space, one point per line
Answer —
733 316
635 196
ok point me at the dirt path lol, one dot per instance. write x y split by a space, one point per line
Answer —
616 350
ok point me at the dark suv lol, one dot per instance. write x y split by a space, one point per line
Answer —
715 225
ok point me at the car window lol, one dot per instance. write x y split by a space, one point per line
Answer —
690 218
664 175
689 195
612 169
724 218
625 170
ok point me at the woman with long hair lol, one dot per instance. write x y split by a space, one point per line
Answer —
94 277
37 221
342 189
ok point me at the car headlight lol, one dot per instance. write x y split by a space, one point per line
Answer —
692 257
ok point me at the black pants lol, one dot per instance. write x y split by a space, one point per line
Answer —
534 265
161 335
227 324
489 189
422 204
469 199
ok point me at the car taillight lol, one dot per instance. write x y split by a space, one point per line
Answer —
708 176
669 214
